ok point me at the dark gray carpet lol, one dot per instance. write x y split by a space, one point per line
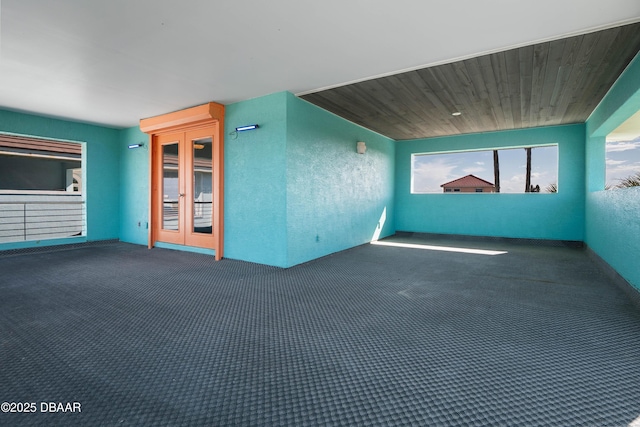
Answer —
370 336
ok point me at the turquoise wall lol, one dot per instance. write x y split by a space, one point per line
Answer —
295 189
102 168
255 183
255 199
336 198
529 215
134 186
612 227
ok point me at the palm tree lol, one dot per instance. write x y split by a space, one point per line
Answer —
630 181
527 184
496 170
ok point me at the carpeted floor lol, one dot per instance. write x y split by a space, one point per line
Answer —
376 335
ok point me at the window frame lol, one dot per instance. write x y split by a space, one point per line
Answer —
413 156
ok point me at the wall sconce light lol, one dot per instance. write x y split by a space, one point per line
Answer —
247 127
361 147
234 134
139 145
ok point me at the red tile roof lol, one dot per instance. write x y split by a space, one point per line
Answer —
468 181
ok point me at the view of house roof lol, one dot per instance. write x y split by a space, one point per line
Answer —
31 145
468 181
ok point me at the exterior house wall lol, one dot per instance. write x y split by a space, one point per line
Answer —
467 189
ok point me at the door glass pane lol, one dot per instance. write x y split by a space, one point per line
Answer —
170 187
202 186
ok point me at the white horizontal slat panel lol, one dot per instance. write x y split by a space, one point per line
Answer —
15 231
37 216
51 236
40 198
9 239
7 226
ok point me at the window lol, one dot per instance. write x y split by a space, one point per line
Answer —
41 189
623 155
623 164
39 165
475 171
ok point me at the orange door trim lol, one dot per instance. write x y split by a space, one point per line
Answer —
207 119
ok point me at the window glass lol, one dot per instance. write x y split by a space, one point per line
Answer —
38 165
623 163
477 172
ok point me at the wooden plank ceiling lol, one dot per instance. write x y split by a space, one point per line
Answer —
551 83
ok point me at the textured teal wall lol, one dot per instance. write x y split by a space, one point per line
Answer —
612 225
533 215
255 200
255 179
255 183
336 198
134 186
102 166
613 230
295 189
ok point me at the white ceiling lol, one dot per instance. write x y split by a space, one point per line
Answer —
117 61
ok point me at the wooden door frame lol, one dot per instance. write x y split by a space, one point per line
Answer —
202 116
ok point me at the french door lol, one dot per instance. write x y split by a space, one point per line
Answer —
185 187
